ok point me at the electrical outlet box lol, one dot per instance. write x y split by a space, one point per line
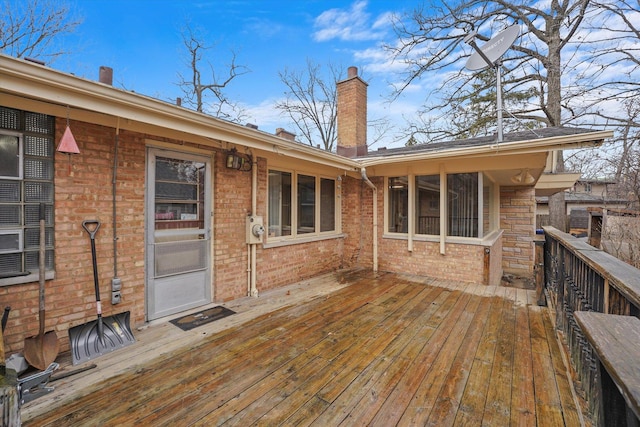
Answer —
116 297
116 284
255 229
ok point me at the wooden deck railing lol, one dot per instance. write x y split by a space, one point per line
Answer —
580 277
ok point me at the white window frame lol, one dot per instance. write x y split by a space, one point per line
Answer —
19 233
411 234
295 237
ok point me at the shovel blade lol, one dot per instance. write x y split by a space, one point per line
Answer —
87 344
41 350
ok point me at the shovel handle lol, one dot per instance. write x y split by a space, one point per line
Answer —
42 265
91 226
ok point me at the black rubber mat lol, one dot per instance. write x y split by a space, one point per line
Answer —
200 318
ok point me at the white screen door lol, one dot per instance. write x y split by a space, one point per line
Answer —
178 232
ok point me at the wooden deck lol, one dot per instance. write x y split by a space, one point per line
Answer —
342 349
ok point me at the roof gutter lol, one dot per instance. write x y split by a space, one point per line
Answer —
41 84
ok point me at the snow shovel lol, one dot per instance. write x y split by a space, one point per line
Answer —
102 335
41 350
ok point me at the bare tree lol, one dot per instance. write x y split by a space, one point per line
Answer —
31 28
431 44
311 103
195 89
621 236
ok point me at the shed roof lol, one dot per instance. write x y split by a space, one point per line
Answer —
489 140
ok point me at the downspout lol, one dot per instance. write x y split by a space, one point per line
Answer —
410 214
253 289
116 283
443 209
363 171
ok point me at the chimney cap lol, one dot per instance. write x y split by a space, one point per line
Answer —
352 72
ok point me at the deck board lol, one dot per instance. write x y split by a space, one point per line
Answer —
359 349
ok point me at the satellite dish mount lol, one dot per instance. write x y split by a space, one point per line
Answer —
489 56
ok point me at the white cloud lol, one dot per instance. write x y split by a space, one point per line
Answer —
353 24
266 116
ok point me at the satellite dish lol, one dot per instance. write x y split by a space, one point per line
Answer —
488 55
493 49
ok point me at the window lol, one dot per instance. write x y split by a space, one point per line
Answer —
327 204
279 204
306 204
468 210
308 210
26 181
179 194
428 204
462 204
398 204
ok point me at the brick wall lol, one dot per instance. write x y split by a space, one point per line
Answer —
517 216
357 222
231 205
276 266
85 192
464 263
461 262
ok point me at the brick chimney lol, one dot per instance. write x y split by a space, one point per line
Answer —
106 75
282 133
352 115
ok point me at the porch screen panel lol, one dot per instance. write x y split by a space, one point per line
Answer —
462 203
398 204
428 204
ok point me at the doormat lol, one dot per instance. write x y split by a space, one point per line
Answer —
194 320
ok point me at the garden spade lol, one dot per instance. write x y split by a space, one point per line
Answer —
41 350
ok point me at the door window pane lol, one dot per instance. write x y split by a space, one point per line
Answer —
179 194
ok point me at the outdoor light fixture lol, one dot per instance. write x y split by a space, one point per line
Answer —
524 177
238 161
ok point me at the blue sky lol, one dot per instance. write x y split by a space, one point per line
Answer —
141 41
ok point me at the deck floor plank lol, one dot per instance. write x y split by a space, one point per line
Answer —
446 407
342 349
523 395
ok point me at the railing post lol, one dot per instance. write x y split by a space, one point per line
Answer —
606 296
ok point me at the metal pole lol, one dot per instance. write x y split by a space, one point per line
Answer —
499 98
